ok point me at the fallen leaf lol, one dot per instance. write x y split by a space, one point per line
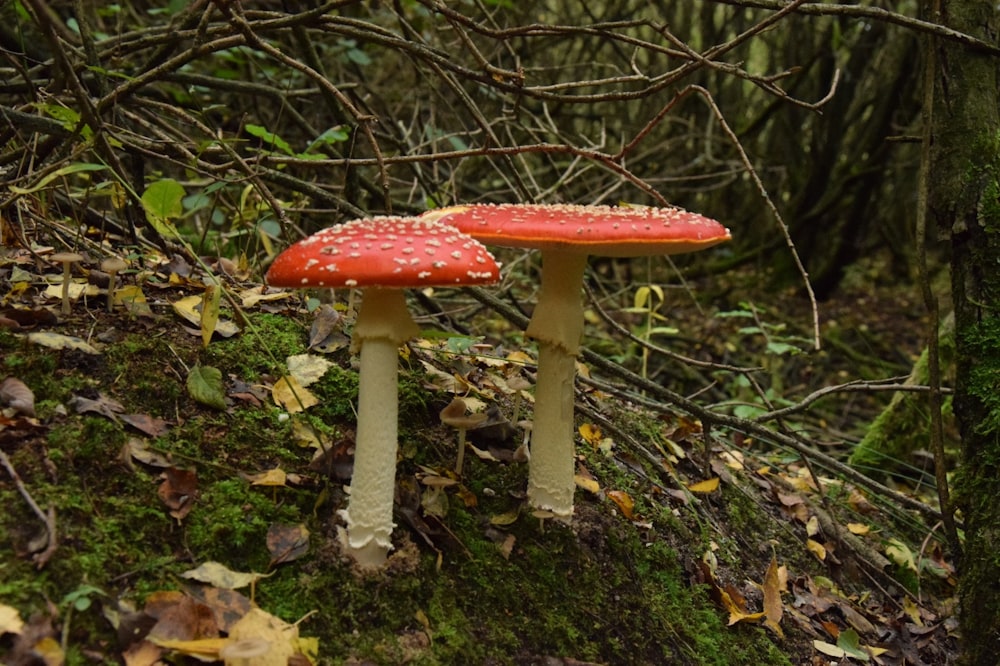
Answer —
900 553
146 424
812 526
16 395
828 649
773 608
307 368
504 519
281 637
624 502
287 543
204 649
272 477
588 483
706 486
10 620
178 491
858 528
209 312
59 341
222 576
591 434
133 300
254 295
850 643
204 385
189 309
294 398
76 290
816 548
140 451
104 406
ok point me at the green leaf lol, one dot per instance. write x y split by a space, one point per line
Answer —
663 330
76 167
164 198
267 136
204 385
780 348
850 642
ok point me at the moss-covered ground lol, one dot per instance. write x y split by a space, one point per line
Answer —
482 582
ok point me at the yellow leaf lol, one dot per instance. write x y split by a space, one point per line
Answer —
624 501
502 519
222 576
204 649
706 486
589 484
282 637
189 307
209 312
812 526
131 297
591 434
288 393
858 528
60 341
10 620
272 477
816 549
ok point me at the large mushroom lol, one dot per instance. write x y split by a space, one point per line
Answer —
566 235
381 256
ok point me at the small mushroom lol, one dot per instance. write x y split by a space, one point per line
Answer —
112 266
454 415
517 384
67 259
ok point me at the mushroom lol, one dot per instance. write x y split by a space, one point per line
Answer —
566 235
382 256
112 266
66 259
454 415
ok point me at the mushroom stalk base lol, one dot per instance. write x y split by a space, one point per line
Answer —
551 466
557 325
383 324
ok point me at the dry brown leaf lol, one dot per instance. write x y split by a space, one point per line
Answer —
287 543
15 394
773 608
178 491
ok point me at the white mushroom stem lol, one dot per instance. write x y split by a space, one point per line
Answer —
557 324
383 324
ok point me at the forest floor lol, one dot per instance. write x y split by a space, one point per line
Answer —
165 500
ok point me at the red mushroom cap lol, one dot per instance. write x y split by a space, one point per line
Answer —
613 231
384 252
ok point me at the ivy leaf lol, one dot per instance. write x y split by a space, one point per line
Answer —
204 384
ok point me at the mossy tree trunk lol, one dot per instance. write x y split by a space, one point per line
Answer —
965 201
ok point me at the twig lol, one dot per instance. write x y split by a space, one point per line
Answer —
48 518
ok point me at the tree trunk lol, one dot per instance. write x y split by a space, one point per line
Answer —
965 202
